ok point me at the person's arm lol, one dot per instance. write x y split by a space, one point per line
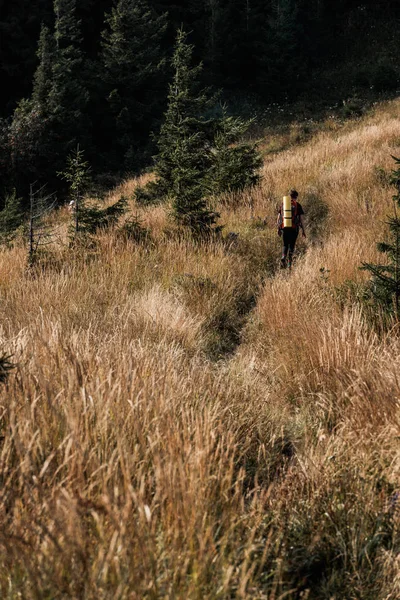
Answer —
302 226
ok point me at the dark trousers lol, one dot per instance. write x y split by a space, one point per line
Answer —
289 238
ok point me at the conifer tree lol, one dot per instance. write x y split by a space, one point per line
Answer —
133 67
11 218
235 165
53 119
30 145
87 219
77 175
68 96
183 159
188 192
198 156
184 126
385 281
43 78
31 137
6 366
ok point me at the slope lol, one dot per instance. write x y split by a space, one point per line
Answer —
161 441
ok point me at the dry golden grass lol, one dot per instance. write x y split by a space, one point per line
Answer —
134 465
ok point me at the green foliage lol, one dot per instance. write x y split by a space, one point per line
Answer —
352 107
198 156
11 218
43 78
6 366
234 166
88 218
133 65
184 123
77 175
183 161
68 96
189 206
385 281
30 143
133 230
152 193
46 126
93 218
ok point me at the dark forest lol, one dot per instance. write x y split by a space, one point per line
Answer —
96 73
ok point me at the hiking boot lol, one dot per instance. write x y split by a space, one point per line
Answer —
283 263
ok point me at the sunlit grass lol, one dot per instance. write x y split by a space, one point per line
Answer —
185 421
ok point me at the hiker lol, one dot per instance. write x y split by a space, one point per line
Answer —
289 234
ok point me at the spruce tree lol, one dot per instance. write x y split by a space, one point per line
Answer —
11 218
68 96
77 175
45 126
31 132
87 219
30 145
188 191
6 366
183 158
185 126
385 281
199 155
235 164
133 67
20 22
43 78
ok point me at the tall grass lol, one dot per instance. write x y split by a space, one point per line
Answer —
184 421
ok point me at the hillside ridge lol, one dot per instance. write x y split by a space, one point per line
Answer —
161 440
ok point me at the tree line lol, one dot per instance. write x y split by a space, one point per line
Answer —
96 73
200 156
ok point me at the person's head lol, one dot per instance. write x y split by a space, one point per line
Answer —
293 194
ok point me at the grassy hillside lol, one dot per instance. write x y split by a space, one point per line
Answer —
186 421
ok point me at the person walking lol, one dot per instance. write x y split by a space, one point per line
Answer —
290 234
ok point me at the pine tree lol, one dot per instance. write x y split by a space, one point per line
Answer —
68 96
31 140
77 175
184 120
87 219
11 218
43 78
385 282
30 145
133 66
183 158
6 366
198 156
235 165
